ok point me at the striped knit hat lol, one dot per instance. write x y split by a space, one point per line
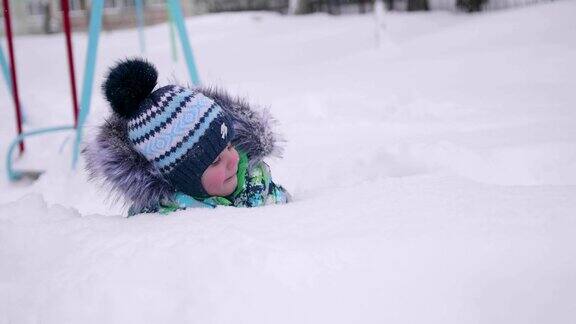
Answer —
179 130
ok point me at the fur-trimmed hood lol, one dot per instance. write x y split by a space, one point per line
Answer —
111 158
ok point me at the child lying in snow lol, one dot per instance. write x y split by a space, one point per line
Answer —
175 147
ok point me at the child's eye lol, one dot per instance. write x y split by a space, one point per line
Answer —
216 161
229 147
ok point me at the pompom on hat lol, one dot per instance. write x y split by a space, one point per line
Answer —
179 130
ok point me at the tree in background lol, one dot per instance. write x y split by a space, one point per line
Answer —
389 4
470 5
298 7
416 5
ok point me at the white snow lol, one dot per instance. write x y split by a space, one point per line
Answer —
434 178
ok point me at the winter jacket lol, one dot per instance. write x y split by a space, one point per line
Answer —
130 178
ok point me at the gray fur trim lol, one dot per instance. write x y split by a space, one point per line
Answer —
254 134
111 158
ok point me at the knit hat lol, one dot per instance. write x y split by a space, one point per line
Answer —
179 130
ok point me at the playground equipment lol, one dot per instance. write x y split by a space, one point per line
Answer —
80 115
12 79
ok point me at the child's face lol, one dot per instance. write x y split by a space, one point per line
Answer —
220 177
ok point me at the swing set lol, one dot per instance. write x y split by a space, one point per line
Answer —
80 112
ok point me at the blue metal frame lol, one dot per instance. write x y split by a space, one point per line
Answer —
6 72
5 69
176 10
93 35
16 175
140 21
172 36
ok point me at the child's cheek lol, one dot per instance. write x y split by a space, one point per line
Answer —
218 178
221 176
213 180
209 181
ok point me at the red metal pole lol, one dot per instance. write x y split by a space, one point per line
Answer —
8 25
68 30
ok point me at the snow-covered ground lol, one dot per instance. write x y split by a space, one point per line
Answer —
434 178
